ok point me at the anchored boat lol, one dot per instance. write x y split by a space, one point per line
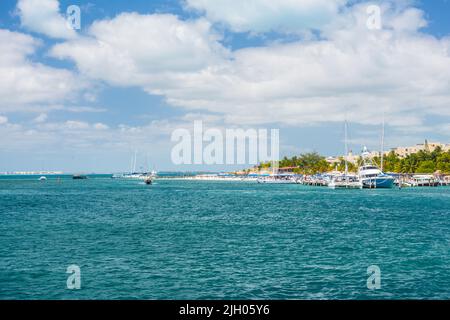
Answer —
345 181
371 176
79 177
279 179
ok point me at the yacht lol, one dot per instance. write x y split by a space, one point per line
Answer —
371 176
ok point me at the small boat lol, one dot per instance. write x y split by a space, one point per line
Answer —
42 178
279 179
148 180
79 177
345 182
424 180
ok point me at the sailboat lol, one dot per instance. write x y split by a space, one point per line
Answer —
345 181
370 174
133 174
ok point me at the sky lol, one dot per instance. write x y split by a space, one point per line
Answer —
85 100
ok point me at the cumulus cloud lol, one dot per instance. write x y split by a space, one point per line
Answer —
23 82
86 137
350 70
43 16
133 49
40 118
3 120
73 124
100 126
260 16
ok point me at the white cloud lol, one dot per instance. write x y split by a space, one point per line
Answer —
100 126
40 118
72 124
268 15
350 70
410 20
3 120
90 138
42 16
133 49
23 82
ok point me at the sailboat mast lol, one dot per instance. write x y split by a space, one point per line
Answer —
134 163
346 147
382 145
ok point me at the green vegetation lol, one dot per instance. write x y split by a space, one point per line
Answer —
421 162
308 163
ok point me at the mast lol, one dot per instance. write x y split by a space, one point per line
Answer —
382 145
134 163
346 147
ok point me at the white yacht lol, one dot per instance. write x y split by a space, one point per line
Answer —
371 176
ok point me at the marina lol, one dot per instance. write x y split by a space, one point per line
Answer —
333 180
224 159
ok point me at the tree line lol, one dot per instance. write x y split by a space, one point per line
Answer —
420 162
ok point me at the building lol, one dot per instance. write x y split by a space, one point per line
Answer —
403 152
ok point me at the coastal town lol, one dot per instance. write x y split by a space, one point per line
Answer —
423 165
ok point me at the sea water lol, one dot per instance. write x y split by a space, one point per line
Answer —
180 239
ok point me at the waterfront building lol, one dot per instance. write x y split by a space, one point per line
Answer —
403 152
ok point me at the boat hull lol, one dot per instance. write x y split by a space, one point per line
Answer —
378 183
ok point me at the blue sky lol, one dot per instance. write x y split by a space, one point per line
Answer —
137 70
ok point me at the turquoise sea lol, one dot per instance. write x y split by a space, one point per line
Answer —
220 240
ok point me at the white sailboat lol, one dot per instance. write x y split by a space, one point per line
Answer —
370 175
345 181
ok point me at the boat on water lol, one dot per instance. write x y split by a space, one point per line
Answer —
371 175
134 174
79 177
42 178
424 180
345 181
279 179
